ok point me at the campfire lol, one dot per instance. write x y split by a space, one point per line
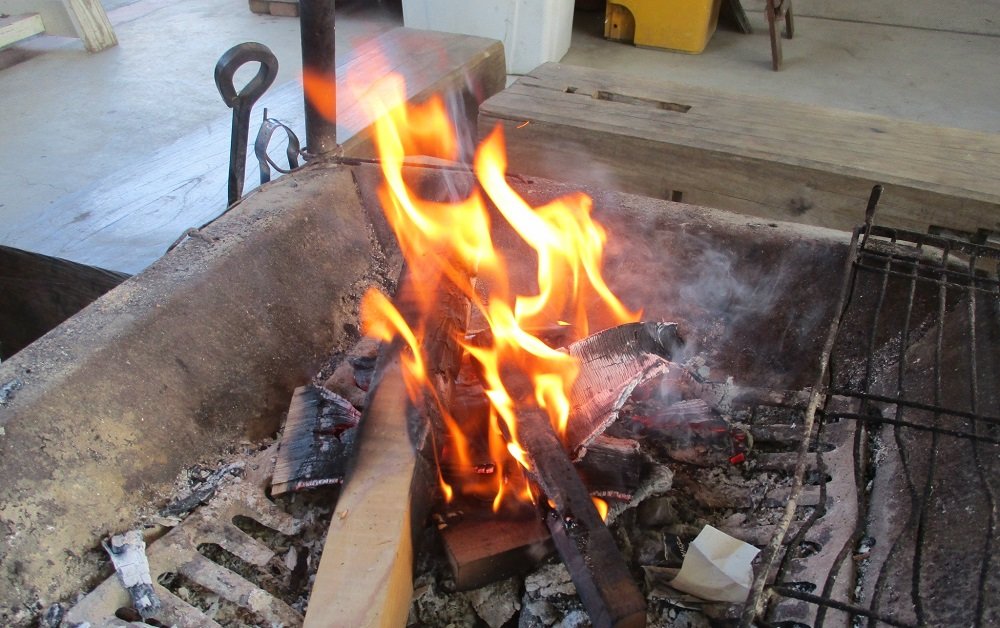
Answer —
468 332
627 412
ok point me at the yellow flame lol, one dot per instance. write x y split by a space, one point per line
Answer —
450 242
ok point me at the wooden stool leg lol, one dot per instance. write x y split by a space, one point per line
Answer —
775 38
789 23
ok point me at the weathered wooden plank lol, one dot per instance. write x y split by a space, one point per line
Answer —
279 8
14 28
91 24
126 221
768 158
85 19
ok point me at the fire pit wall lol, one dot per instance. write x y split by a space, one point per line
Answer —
193 356
203 349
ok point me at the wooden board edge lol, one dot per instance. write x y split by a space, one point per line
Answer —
17 28
365 577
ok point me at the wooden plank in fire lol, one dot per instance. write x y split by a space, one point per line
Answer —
365 575
603 582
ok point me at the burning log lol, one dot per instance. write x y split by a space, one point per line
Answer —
584 543
613 363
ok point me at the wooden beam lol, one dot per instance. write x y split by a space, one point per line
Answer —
14 28
767 158
603 582
365 577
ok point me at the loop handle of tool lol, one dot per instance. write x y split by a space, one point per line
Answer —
232 60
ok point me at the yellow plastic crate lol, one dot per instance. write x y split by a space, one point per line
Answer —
682 25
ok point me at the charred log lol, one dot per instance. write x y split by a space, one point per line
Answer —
317 442
584 543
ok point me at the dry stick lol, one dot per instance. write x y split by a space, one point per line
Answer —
757 599
585 544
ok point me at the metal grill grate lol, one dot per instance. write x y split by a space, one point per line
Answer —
918 347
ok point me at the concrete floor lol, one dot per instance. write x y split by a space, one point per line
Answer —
71 118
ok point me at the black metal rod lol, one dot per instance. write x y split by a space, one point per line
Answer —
840 606
318 28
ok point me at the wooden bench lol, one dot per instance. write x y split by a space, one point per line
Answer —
772 159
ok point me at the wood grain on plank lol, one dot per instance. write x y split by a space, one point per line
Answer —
755 155
365 576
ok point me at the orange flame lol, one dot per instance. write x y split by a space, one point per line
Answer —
451 242
602 507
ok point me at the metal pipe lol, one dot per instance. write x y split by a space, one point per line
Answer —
318 28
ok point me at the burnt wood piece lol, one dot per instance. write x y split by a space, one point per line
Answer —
584 543
486 550
442 353
687 431
611 467
352 377
317 442
749 154
612 363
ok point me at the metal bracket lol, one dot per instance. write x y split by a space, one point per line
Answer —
292 151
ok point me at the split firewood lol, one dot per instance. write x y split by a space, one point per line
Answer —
686 431
612 364
612 468
317 442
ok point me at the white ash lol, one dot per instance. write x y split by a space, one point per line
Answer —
550 598
433 606
497 603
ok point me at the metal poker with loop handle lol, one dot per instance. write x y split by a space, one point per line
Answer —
242 102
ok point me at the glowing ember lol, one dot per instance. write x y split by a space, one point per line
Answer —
452 243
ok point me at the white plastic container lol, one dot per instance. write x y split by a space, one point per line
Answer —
532 31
